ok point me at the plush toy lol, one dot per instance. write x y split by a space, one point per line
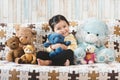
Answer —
54 38
15 51
28 57
93 32
26 35
90 55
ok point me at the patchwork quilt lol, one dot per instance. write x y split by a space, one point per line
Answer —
12 71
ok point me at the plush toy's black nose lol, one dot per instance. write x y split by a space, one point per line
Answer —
14 44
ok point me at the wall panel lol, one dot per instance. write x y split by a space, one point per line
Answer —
34 11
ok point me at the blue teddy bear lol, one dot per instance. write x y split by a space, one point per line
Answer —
54 38
93 32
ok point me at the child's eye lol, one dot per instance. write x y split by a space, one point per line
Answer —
64 26
58 28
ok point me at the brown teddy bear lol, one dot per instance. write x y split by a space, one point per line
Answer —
28 57
25 34
15 51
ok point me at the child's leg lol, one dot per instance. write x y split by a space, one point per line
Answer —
44 62
43 58
70 56
64 58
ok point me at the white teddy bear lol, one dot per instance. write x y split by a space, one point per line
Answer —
93 32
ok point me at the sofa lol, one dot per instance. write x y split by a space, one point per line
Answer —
97 71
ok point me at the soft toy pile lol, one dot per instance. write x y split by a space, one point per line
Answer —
55 38
93 32
19 48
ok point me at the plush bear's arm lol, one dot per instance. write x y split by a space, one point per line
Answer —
47 44
67 43
23 57
9 57
34 59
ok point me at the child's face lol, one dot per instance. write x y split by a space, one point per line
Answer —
62 28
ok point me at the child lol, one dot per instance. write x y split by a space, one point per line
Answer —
59 24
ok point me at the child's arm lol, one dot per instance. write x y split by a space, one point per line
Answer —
63 46
54 46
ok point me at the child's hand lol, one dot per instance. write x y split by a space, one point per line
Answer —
58 45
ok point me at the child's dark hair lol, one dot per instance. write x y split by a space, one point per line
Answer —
56 19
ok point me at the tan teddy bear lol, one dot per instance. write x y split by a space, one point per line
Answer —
15 51
26 35
28 57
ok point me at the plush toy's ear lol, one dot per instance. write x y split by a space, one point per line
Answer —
16 38
49 35
24 47
6 43
17 27
107 30
34 32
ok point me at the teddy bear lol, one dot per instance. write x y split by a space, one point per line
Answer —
54 38
90 56
25 34
28 57
93 32
15 51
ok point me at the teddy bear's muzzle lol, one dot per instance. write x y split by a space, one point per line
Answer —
23 40
91 38
14 46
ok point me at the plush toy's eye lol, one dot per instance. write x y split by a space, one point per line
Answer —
14 41
26 37
53 38
19 36
97 34
60 38
88 32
